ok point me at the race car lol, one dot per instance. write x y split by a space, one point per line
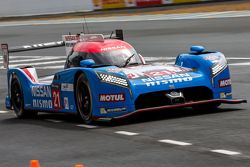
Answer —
105 79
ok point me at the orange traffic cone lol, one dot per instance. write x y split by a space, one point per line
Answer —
79 165
34 163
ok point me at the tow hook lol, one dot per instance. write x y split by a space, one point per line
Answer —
175 97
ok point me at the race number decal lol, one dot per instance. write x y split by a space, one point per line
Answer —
56 99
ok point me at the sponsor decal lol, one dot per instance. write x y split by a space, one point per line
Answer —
132 76
159 73
67 87
211 57
108 4
56 99
113 48
103 111
109 110
150 71
168 79
72 37
66 103
112 97
223 95
41 91
224 83
39 103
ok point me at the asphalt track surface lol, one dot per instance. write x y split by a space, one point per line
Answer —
188 138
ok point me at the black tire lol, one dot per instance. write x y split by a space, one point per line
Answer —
207 107
83 99
17 100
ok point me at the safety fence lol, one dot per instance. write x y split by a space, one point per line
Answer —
110 4
41 7
38 7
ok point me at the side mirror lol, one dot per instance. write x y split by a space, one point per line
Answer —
197 49
87 63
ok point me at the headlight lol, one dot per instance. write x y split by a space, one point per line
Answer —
112 79
218 66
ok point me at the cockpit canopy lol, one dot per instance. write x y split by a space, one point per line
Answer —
109 52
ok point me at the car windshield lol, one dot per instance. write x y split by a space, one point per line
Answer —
114 57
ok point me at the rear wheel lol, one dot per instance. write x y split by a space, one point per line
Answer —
83 99
17 100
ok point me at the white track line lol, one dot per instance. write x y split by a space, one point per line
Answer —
40 63
126 133
238 58
240 64
3 112
54 121
180 143
50 67
87 126
46 78
15 57
227 152
173 58
36 59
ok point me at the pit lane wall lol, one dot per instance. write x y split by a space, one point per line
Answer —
111 4
39 7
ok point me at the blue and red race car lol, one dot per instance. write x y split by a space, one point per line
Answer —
107 79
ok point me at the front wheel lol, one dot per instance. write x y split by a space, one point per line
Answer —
83 99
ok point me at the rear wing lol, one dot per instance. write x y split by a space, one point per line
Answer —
67 43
